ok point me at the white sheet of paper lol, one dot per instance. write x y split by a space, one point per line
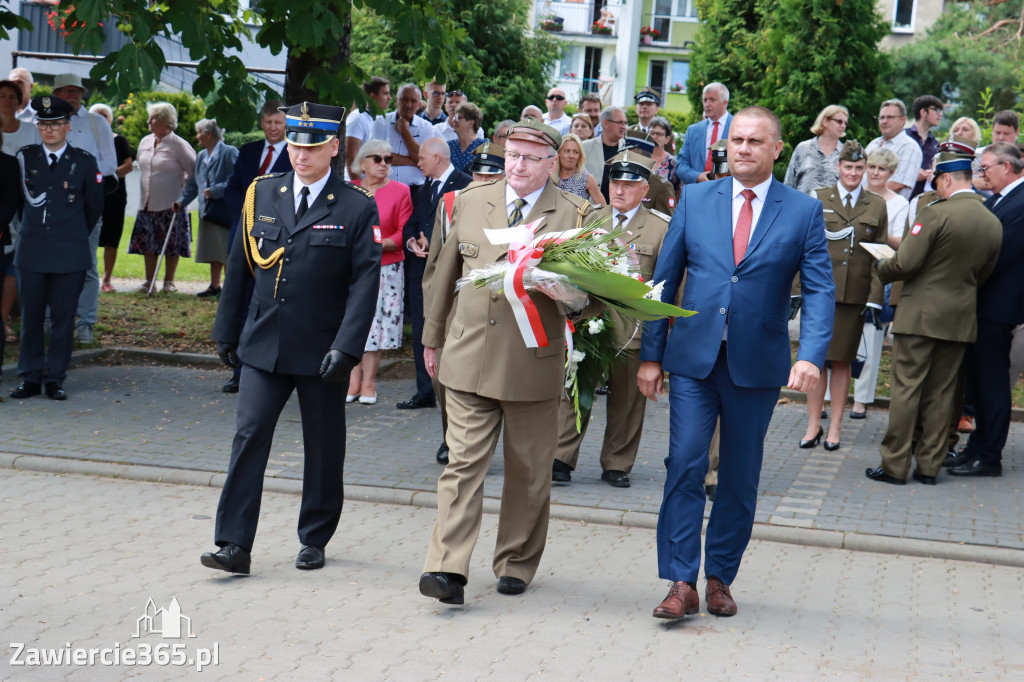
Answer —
878 251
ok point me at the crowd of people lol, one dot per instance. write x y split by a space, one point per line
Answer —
908 233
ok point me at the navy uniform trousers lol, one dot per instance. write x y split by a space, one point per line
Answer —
261 397
695 405
58 291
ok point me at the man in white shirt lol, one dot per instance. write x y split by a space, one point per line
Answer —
892 118
556 117
92 133
444 128
405 132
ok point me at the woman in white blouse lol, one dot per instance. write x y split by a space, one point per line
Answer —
165 162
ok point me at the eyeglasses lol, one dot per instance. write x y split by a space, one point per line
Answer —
840 121
55 125
889 118
655 133
529 158
377 158
618 123
984 169
557 98
439 93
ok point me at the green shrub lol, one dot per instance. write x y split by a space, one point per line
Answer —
238 139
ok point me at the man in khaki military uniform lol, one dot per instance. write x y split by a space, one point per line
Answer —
491 374
949 250
626 404
661 195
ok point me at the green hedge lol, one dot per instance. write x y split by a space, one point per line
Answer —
238 139
131 117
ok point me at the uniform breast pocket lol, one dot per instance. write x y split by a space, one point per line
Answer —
469 249
645 249
269 233
327 238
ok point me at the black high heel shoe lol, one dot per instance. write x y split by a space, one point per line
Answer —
806 444
830 446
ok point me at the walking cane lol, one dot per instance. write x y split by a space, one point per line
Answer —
170 228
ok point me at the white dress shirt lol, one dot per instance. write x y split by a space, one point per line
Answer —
421 131
1006 190
561 124
278 150
92 133
314 190
757 203
843 192
531 199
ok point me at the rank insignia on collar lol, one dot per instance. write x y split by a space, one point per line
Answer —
284 189
330 197
266 219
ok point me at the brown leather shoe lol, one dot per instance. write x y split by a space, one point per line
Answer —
719 598
682 600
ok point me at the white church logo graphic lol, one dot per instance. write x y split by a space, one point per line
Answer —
168 623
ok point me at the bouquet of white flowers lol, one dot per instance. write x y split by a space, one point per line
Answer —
573 267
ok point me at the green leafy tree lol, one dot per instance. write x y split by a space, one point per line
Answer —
728 51
969 48
821 52
505 67
315 34
10 19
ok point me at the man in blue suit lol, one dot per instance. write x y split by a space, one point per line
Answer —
694 161
255 159
1000 309
740 241
436 165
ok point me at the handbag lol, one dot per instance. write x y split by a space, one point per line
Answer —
216 211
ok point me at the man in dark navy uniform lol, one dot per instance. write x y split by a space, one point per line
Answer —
63 192
309 245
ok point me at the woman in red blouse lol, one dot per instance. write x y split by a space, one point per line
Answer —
394 204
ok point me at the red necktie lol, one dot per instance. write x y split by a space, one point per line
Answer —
266 160
714 139
742 234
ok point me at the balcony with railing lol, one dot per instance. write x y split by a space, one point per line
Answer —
48 35
566 17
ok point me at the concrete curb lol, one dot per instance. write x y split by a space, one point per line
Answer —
808 537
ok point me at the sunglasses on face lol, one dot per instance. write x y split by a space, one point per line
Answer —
381 159
457 93
557 98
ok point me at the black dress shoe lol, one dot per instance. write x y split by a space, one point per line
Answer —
26 389
976 467
55 392
806 444
601 390
230 558
616 479
710 490
830 446
824 414
878 474
927 480
232 385
442 454
561 474
509 585
310 558
954 460
447 588
858 415
416 402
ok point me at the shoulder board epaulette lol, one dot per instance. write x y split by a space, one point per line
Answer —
823 189
661 215
937 201
268 175
874 194
359 188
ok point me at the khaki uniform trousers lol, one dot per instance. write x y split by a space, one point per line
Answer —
924 379
474 424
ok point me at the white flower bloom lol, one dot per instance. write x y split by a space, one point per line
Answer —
656 290
577 356
595 325
621 267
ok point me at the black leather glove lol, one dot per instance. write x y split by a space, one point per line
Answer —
228 354
795 303
872 315
337 366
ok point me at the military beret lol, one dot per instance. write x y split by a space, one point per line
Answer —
310 124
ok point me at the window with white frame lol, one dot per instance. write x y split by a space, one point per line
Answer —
657 70
686 9
661 20
569 65
680 74
903 13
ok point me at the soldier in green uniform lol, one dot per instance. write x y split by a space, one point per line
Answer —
661 195
949 250
853 215
645 231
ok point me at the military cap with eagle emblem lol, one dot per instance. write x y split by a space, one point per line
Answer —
310 124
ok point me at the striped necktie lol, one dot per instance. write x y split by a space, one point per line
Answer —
516 216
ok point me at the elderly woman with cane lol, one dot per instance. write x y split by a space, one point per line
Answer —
165 162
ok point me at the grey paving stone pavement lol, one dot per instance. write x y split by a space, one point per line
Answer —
177 418
84 555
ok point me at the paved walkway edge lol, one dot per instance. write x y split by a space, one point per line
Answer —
808 537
